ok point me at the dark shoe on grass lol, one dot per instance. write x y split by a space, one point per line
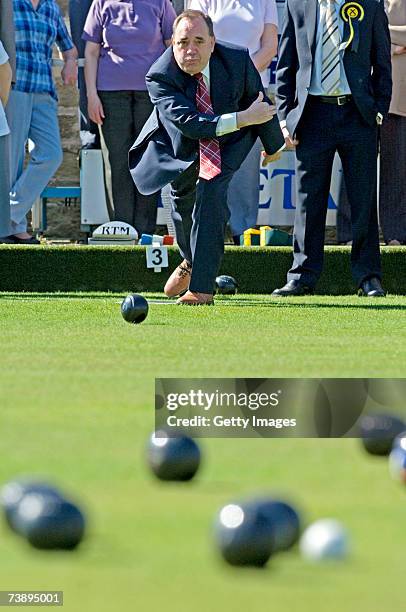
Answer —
371 288
293 287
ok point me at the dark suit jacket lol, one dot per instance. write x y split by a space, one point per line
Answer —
371 89
169 141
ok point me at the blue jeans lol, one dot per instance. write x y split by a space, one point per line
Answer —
4 185
31 116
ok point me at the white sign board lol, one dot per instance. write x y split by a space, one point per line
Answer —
277 192
157 257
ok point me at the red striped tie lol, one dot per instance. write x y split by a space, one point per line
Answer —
210 158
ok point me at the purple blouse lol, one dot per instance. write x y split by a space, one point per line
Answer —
131 34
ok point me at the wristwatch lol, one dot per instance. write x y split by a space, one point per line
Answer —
379 118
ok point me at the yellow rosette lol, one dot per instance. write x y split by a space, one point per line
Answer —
352 13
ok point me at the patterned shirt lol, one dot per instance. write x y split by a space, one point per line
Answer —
36 31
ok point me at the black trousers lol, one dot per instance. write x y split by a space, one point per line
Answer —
200 214
323 130
125 114
78 10
392 191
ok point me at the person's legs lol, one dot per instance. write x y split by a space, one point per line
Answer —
392 196
243 192
358 153
89 132
117 138
45 158
183 196
5 185
18 111
145 206
314 162
343 223
210 216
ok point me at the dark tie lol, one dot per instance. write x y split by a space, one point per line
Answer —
209 148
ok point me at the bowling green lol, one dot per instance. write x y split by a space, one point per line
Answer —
77 406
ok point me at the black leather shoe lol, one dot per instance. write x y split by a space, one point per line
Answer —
293 287
371 288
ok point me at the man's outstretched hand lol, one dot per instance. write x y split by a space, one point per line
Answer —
267 159
290 141
259 112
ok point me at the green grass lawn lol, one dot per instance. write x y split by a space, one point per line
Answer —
76 393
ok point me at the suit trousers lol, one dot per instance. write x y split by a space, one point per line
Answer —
323 130
125 114
200 214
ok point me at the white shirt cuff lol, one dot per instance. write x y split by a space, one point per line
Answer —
226 124
282 124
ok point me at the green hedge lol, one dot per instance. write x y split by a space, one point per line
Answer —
123 269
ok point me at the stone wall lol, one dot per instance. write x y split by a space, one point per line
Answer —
68 173
64 221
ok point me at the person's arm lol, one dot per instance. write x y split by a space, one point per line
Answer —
381 61
69 71
286 69
182 111
167 18
94 105
269 46
398 35
177 108
67 52
397 23
265 126
259 112
5 82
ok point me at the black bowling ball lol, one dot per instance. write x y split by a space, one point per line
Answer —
226 285
50 523
134 308
13 492
173 458
378 431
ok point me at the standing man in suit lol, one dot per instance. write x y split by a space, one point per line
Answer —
209 110
333 90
